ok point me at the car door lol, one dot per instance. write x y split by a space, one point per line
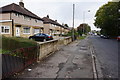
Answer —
36 37
42 36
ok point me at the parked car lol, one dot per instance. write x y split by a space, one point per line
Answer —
118 38
104 36
41 37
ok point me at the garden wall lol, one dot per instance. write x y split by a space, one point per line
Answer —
49 47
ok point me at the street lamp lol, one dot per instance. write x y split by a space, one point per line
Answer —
84 19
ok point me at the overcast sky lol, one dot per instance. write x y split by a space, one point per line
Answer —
61 10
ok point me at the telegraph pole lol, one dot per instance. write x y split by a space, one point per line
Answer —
83 20
73 22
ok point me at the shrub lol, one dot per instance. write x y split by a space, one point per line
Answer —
12 43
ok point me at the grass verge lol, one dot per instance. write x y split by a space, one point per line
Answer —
82 37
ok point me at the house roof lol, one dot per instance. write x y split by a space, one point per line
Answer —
18 9
48 20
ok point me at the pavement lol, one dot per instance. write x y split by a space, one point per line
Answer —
71 61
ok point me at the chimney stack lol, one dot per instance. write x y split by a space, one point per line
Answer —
47 16
21 3
55 20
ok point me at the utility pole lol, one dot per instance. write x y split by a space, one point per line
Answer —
83 20
73 22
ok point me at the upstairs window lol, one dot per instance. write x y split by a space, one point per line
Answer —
16 14
27 18
36 21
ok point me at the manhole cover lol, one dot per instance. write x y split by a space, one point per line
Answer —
83 48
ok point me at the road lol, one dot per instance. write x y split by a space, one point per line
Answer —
106 51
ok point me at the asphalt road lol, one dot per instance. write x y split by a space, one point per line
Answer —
106 51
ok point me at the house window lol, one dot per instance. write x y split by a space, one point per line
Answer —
16 14
26 30
35 20
36 31
5 29
27 18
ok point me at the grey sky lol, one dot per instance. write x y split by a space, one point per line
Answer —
61 10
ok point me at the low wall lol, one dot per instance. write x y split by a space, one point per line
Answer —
49 47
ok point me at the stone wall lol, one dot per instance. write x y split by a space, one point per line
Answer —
49 47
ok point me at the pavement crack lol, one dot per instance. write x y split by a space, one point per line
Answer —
61 65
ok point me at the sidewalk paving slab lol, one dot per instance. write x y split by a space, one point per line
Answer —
71 61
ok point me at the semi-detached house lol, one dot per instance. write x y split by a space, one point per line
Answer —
52 27
18 21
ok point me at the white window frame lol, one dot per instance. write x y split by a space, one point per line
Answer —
5 27
17 14
36 32
24 31
36 20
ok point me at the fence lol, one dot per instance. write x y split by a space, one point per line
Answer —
15 61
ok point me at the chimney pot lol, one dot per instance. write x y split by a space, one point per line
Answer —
47 16
21 3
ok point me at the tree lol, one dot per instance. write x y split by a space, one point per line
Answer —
107 18
83 29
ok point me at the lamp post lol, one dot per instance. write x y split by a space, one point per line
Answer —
84 21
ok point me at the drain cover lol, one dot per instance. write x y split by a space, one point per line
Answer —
83 48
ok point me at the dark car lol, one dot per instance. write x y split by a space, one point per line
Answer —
41 37
118 38
104 36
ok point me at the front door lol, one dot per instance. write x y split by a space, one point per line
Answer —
17 31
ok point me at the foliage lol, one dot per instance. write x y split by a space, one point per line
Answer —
12 43
83 29
82 37
107 18
70 33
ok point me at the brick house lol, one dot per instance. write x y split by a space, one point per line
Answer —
18 21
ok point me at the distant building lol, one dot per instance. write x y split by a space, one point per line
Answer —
52 27
18 21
